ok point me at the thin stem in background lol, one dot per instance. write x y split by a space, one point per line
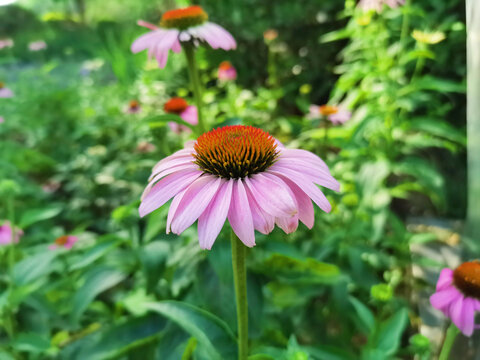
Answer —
240 281
196 85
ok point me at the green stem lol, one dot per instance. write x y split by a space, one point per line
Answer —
195 80
240 280
405 21
452 333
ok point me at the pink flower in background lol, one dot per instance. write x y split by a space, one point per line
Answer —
6 43
336 114
51 186
241 173
5 92
226 71
377 5
6 234
458 295
181 26
65 241
188 113
2 119
133 107
145 147
37 45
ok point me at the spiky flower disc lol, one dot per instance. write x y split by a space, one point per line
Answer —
184 18
235 152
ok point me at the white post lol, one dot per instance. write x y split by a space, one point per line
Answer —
473 119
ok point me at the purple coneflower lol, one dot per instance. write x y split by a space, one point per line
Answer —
336 114
458 295
37 45
65 241
6 234
241 173
5 92
181 26
226 71
377 5
188 113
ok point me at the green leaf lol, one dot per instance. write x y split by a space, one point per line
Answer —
97 280
33 216
114 341
439 128
31 342
95 253
213 335
308 271
367 319
153 257
438 85
388 336
34 267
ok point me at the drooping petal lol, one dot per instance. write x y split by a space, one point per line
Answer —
445 279
442 299
171 170
190 115
262 221
309 157
173 208
459 310
272 196
224 38
468 317
315 173
287 224
194 202
165 189
304 204
211 221
147 25
240 215
307 187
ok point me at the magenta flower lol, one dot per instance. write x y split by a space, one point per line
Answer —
458 295
188 113
241 173
181 26
65 241
226 71
6 234
336 114
6 43
5 92
37 45
377 5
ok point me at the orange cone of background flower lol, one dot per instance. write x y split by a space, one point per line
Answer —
188 113
226 71
241 173
181 26
336 114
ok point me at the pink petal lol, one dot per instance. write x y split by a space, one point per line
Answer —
262 221
468 316
271 195
173 208
169 171
147 25
194 202
287 224
445 279
442 299
307 187
304 204
240 215
225 40
211 221
190 115
299 154
316 174
461 313
147 41
165 189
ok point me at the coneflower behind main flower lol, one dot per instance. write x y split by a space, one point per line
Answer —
241 173
181 26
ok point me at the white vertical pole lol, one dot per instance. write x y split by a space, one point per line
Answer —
473 118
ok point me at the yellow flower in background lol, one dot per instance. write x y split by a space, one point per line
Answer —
428 37
364 19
